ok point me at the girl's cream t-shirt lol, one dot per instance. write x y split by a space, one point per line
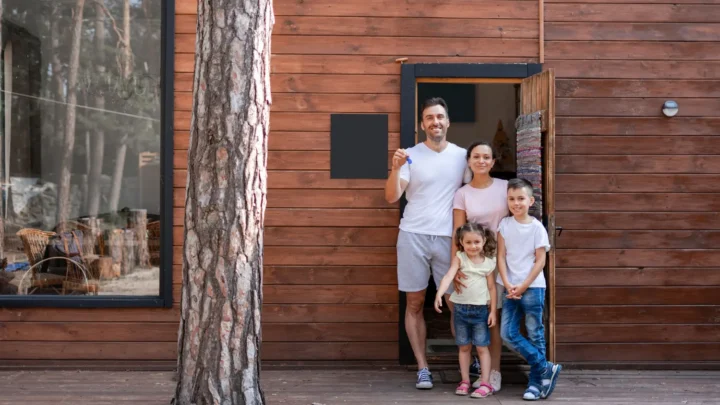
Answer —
476 292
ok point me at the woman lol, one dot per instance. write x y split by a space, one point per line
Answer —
483 201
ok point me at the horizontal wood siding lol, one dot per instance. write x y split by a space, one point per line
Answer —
637 192
330 243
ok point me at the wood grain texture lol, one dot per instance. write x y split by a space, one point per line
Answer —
638 276
637 258
639 296
637 333
626 314
343 313
638 352
419 8
405 27
650 183
426 46
327 236
331 217
638 126
330 332
633 50
595 88
638 202
613 31
630 164
635 69
652 145
331 275
635 239
663 13
639 220
635 107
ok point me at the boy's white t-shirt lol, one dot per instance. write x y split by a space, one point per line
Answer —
433 177
521 240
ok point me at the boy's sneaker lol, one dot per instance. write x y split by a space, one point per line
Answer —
475 368
424 379
549 379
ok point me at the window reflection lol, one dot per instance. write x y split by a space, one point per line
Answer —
80 150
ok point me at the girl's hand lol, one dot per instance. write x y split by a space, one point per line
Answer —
491 319
438 303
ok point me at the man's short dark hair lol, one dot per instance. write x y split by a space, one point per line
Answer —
518 183
431 102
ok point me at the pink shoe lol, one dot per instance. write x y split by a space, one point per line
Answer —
463 388
484 391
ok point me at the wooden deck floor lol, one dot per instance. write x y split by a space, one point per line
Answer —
358 387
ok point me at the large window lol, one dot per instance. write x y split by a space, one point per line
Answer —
81 151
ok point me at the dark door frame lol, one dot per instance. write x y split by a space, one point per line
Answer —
409 75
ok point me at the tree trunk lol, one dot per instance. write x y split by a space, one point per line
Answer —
138 222
219 339
63 203
57 79
128 253
116 242
98 142
126 68
118 174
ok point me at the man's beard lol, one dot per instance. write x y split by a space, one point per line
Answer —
435 138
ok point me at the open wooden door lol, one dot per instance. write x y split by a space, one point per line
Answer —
538 102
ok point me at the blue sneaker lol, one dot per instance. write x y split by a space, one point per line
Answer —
549 379
424 380
475 367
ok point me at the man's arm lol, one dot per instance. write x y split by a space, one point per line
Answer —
395 186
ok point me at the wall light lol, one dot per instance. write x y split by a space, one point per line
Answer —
670 108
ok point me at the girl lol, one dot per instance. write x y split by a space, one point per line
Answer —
472 317
483 201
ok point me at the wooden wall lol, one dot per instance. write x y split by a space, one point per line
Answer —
637 193
637 265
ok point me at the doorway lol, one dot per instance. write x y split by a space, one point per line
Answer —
484 101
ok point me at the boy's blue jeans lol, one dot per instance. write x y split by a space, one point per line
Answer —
531 348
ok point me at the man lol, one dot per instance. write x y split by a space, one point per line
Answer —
429 178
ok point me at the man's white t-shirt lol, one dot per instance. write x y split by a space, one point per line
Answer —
521 240
433 177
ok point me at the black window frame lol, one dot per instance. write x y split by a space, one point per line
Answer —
409 74
165 298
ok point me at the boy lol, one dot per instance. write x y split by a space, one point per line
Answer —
522 244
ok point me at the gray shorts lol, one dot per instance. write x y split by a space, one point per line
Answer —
418 256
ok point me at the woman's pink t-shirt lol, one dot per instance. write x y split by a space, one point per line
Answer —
486 206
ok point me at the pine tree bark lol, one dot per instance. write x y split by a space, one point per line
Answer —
98 141
219 339
126 67
63 203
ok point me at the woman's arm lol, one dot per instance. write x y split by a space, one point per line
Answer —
459 219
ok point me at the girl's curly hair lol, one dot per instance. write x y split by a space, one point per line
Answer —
490 246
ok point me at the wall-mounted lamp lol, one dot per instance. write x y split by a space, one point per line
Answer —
670 108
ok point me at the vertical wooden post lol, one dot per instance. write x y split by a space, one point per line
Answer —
117 241
128 252
138 223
